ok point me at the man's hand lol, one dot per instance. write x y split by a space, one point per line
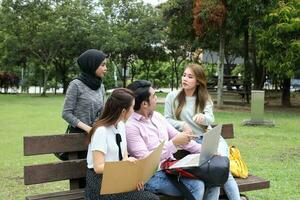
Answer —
183 138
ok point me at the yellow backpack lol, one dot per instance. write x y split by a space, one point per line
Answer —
238 167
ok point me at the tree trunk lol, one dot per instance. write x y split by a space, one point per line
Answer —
173 71
133 70
55 88
64 82
124 72
259 72
45 80
132 74
285 98
177 75
221 68
247 71
147 71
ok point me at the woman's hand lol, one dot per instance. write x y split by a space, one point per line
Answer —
84 127
199 118
131 159
186 127
140 186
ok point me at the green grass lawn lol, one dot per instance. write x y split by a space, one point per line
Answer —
273 153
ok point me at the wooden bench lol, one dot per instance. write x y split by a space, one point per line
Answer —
75 168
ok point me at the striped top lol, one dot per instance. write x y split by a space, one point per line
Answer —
82 103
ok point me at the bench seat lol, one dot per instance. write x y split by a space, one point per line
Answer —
251 183
76 194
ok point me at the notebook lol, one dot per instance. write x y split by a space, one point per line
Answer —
209 148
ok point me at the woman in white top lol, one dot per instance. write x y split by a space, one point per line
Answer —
108 143
191 109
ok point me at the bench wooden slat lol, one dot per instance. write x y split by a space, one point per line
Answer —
72 169
227 131
252 183
36 145
77 194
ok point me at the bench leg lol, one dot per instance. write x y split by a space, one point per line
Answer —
77 183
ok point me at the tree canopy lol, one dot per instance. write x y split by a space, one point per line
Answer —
41 39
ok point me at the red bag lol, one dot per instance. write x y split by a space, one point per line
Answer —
180 171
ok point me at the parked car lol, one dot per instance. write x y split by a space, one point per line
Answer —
295 84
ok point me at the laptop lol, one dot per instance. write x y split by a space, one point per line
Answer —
209 148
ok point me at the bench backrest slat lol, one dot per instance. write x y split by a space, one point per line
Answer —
227 131
36 145
43 173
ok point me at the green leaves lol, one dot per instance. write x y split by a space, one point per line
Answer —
280 42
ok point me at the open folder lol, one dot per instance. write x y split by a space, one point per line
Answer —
123 176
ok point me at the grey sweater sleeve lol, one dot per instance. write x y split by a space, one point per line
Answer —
208 113
70 104
169 111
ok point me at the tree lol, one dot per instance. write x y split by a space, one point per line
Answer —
180 36
75 24
244 18
47 34
133 29
14 44
210 15
280 44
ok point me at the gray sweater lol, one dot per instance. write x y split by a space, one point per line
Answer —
187 113
82 103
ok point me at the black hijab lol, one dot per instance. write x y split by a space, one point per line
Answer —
88 62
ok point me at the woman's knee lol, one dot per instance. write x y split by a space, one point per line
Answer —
223 148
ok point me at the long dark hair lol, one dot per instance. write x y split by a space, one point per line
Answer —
201 92
119 99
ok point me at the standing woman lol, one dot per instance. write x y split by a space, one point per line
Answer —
108 143
85 94
191 109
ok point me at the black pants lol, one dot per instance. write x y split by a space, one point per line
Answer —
93 185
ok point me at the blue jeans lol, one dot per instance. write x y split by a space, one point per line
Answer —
160 184
230 187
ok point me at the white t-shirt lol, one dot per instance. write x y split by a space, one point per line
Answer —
104 140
